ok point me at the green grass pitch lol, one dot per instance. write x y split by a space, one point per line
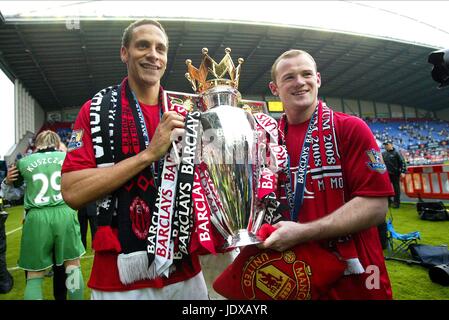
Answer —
409 281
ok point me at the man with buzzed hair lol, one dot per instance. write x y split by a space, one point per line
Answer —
120 172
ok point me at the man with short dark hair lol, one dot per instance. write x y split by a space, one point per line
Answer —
117 141
396 170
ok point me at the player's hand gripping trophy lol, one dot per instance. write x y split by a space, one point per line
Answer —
234 150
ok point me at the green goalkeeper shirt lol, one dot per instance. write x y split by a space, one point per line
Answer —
41 172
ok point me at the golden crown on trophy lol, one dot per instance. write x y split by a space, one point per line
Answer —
211 74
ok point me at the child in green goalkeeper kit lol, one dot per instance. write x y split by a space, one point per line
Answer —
50 225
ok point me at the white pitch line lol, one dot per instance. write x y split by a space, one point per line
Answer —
17 268
13 268
12 231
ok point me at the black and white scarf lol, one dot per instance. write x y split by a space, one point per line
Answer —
118 132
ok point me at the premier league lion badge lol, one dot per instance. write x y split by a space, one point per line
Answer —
376 162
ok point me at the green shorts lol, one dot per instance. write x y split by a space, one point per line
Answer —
48 231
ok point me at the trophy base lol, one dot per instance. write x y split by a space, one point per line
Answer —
241 239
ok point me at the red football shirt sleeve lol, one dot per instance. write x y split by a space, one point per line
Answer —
80 153
364 171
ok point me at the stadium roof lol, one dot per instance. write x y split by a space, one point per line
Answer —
64 62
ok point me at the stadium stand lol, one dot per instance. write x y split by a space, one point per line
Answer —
421 141
63 129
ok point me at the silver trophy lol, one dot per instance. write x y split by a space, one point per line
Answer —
229 151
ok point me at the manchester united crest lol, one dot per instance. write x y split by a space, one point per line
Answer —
140 218
278 276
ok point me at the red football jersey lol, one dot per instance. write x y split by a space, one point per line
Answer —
104 275
361 162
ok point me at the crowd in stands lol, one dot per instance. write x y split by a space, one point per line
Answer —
421 141
63 129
